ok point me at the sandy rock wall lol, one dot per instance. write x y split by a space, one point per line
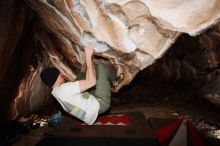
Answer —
130 34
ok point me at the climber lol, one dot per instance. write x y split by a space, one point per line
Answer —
89 95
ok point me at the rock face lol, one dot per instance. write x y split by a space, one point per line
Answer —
129 35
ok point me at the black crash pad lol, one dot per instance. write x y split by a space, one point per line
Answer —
72 133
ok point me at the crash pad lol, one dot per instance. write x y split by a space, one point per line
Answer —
107 131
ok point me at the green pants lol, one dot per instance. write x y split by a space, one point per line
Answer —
102 90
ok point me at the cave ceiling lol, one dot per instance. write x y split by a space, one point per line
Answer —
129 35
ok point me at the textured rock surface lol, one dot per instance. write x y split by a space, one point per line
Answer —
130 35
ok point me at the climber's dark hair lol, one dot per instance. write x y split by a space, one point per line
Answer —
49 76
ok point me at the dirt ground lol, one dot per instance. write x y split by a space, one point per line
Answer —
204 116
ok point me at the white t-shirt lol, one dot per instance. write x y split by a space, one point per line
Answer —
83 106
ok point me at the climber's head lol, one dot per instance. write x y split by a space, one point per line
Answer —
51 76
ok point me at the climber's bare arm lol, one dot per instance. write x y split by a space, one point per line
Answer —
90 80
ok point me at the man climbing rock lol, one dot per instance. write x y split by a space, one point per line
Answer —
86 97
